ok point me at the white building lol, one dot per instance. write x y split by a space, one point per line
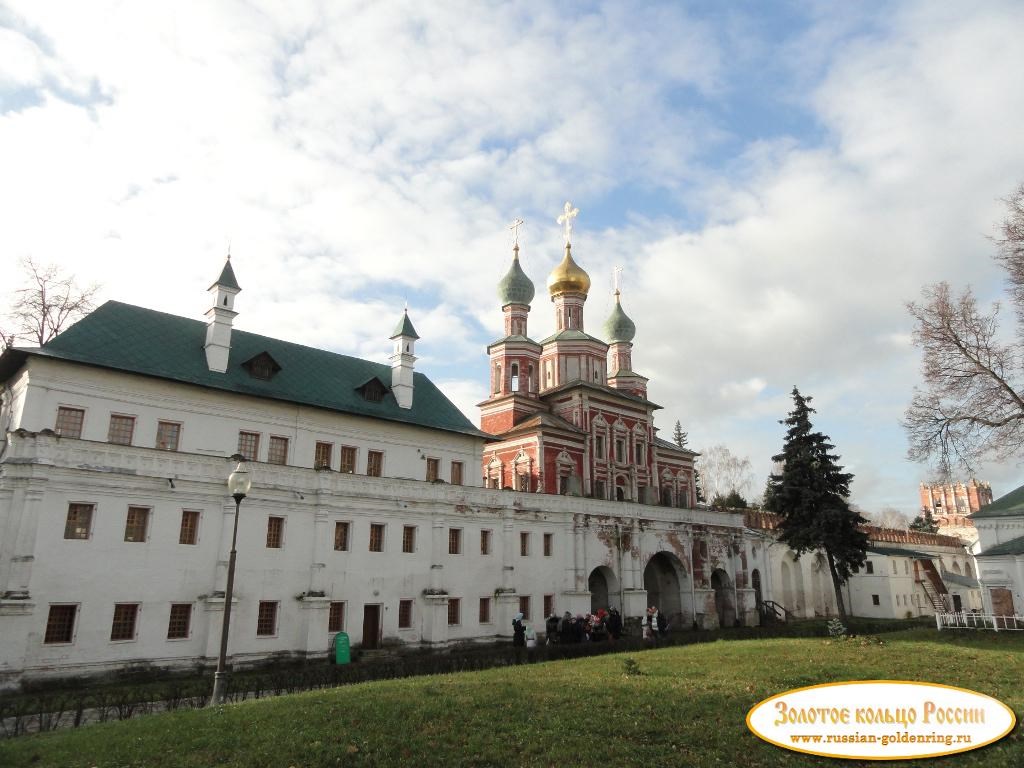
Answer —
906 574
365 514
1000 553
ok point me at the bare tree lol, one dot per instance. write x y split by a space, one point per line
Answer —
49 303
721 472
971 404
886 517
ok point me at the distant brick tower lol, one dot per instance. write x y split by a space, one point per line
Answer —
951 503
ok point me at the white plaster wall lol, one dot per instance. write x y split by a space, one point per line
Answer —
40 475
211 421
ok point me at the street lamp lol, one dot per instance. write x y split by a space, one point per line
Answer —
238 486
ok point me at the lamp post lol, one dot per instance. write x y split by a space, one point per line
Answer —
238 486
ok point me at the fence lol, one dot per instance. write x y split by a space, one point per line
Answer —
978 621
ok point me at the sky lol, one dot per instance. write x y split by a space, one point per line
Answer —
776 181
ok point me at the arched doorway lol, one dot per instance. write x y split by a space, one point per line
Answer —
799 598
817 587
755 582
663 581
787 586
724 603
604 588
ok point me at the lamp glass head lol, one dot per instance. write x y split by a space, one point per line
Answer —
238 481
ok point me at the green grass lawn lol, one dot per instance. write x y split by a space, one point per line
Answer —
686 708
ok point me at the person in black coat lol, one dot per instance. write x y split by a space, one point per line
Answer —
518 631
551 629
614 624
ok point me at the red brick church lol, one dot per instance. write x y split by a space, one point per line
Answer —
570 414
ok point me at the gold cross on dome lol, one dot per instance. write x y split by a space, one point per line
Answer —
566 220
516 224
616 277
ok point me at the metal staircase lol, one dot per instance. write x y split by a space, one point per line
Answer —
933 585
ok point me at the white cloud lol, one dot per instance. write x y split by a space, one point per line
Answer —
356 158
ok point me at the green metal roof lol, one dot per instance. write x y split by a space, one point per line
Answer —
1011 547
1010 505
404 327
513 339
142 341
898 552
571 335
963 581
227 277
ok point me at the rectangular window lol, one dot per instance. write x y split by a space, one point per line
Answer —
123 626
894 567
168 434
189 533
620 451
485 542
454 611
639 453
136 524
277 452
341 537
485 610
266 621
336 618
456 473
79 522
180 622
376 537
524 543
60 624
405 614
874 600
322 455
348 459
121 429
549 605
599 447
433 469
409 538
249 445
69 422
869 567
275 532
549 544
906 567
454 541
524 606
374 463
599 492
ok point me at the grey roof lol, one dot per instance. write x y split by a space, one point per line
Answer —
135 340
1010 505
513 339
899 552
963 581
572 335
665 444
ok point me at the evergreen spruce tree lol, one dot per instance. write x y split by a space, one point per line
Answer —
810 494
925 522
698 486
678 436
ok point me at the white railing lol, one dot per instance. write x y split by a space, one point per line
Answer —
978 621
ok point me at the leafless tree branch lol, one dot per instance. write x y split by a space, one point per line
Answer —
46 305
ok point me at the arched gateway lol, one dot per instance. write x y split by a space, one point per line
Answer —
664 579
604 589
725 603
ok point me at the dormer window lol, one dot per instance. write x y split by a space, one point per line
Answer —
263 366
373 390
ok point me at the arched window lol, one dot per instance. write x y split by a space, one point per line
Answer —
514 371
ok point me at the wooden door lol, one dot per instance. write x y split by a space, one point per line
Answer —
1002 605
371 626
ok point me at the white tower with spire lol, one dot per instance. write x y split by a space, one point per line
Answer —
221 315
403 358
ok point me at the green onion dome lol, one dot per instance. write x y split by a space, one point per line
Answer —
618 327
515 287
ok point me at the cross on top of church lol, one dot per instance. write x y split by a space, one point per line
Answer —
566 218
616 275
516 224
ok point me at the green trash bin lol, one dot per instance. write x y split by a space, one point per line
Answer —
342 651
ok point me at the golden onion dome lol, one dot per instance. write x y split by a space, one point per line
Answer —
568 276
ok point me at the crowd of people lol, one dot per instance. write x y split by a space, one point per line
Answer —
603 626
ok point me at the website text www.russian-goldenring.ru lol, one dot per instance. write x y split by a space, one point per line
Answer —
884 740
